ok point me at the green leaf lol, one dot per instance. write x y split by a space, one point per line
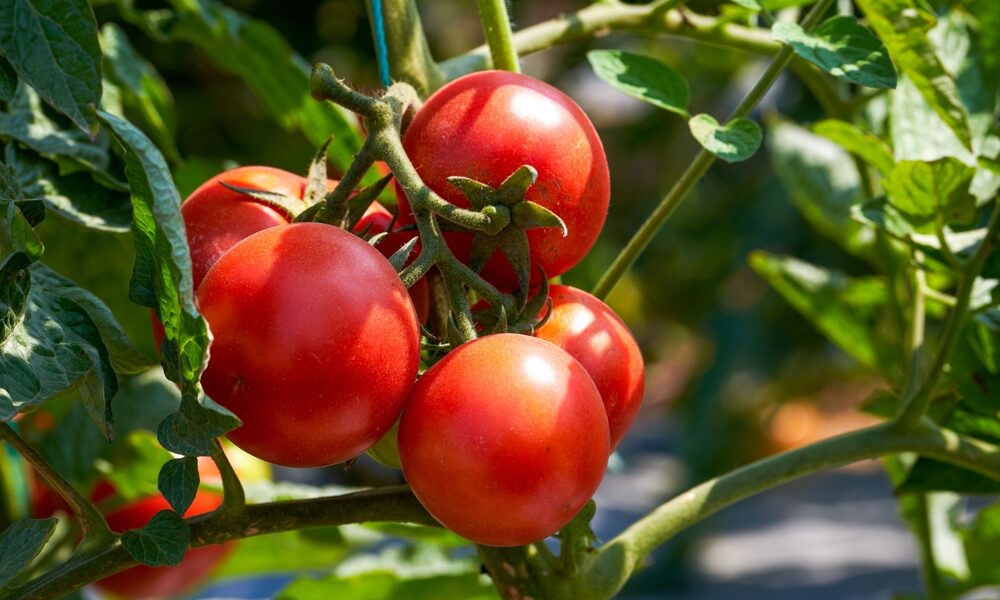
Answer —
982 546
74 444
144 93
256 52
288 552
178 482
134 465
936 516
58 347
162 542
734 142
52 45
20 544
423 571
750 4
928 191
642 77
162 275
75 197
73 150
841 307
822 183
903 27
862 144
842 47
929 475
8 80
15 281
192 429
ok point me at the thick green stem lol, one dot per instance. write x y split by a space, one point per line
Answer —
496 26
916 403
620 557
233 498
698 167
91 520
384 504
925 537
409 55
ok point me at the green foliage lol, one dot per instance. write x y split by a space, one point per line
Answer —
842 47
20 543
162 542
178 482
642 77
735 141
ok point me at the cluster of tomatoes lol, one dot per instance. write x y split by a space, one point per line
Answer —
317 344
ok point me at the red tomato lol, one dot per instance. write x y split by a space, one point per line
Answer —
316 343
487 124
143 582
504 440
594 335
377 220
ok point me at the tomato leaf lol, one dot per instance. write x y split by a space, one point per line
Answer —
15 281
841 307
903 26
144 93
178 482
52 46
8 80
842 47
162 542
20 543
733 142
16 231
981 539
859 143
192 430
642 77
75 197
929 191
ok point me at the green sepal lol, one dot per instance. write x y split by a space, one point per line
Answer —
316 180
283 203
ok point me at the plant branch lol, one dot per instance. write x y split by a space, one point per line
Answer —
698 167
233 497
91 520
917 401
394 503
621 556
496 26
409 55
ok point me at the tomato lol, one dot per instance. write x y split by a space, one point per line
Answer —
377 219
142 582
593 334
504 440
487 124
316 343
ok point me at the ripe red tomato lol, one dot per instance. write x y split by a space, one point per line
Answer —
141 582
377 219
487 124
316 343
593 334
504 440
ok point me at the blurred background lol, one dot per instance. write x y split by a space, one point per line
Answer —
733 372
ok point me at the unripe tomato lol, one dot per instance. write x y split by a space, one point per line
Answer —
316 343
142 582
504 440
487 124
594 335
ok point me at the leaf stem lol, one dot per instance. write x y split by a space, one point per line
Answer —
698 167
91 519
233 497
496 26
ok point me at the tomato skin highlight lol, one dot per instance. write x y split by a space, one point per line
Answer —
316 343
593 334
485 125
504 440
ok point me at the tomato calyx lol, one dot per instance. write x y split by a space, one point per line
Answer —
284 203
511 216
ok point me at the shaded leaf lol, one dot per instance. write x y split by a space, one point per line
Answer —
842 47
20 543
642 77
8 80
733 142
178 482
52 45
162 542
862 144
928 191
192 429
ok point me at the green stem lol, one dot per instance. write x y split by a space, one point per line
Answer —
409 54
395 503
496 26
916 403
924 534
918 321
233 497
91 520
698 167
621 556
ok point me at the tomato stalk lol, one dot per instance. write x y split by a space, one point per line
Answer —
94 525
699 166
233 498
409 54
499 36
